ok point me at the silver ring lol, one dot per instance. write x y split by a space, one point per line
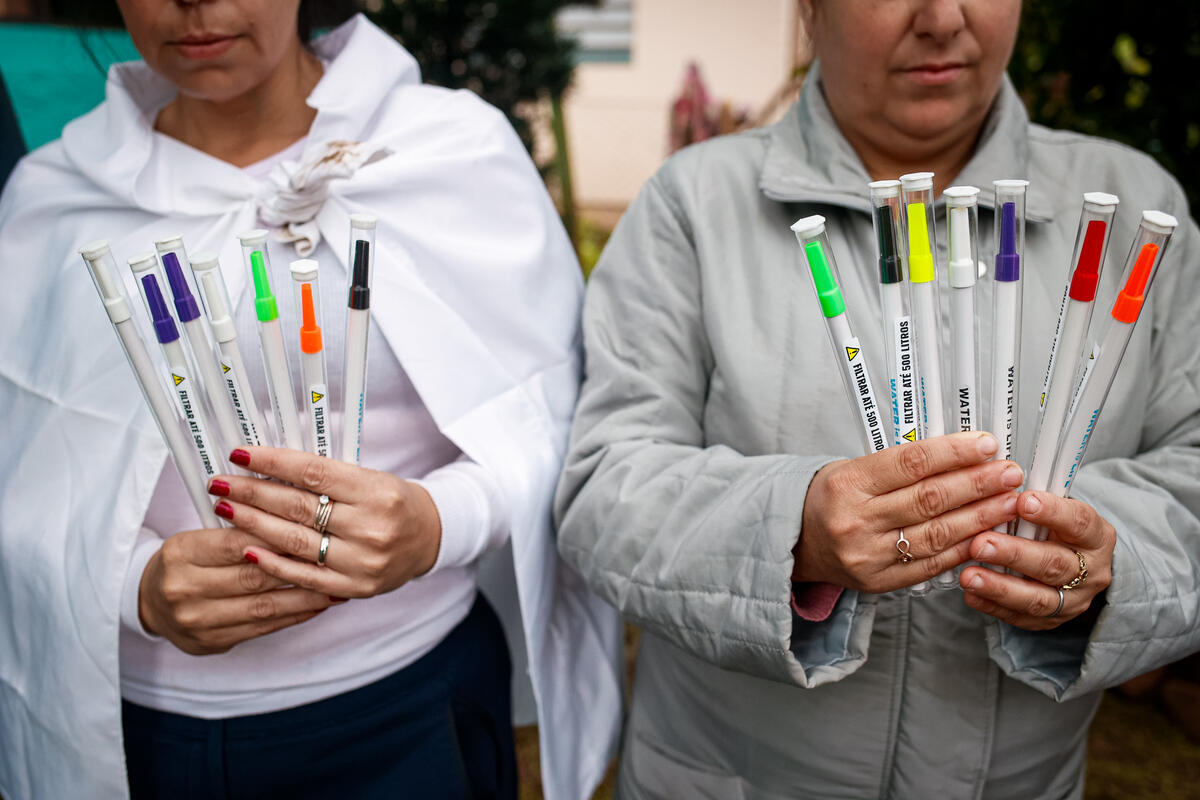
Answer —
1062 596
324 509
902 546
324 550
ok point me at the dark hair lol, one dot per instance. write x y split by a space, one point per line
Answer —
304 22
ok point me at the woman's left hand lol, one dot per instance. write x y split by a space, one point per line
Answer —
384 531
1076 531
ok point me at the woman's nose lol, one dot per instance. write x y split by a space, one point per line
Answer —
940 20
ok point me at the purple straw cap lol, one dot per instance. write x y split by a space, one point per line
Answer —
1008 260
160 315
185 302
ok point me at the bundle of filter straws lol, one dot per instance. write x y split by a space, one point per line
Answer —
1082 358
199 392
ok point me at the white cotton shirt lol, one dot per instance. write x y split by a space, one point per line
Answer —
352 644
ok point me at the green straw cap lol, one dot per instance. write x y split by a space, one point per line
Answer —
264 301
828 292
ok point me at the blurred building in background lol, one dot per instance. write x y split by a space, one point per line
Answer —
634 58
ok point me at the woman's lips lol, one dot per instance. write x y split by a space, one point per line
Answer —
204 47
935 74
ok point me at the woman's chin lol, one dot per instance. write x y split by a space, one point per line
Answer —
936 118
213 88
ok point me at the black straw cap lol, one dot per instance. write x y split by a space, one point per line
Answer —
360 286
890 268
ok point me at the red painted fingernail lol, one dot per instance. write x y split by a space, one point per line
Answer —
218 487
253 559
223 509
333 599
240 457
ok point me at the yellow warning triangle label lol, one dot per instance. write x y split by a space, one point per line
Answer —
911 435
851 352
316 396
224 367
178 378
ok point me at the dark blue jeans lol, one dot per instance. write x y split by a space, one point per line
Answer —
439 728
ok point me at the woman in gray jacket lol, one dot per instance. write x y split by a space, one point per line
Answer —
708 493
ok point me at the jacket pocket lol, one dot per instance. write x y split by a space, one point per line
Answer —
654 771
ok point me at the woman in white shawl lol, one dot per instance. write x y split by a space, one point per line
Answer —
240 670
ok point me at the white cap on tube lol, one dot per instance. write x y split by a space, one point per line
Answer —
143 263
304 269
915 181
258 236
99 261
809 226
204 267
962 271
1159 222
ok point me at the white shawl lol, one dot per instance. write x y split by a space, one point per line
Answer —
476 291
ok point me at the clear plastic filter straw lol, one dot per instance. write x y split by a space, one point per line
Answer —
1141 267
173 257
962 233
307 297
917 198
897 324
1008 238
848 352
270 334
358 325
206 268
103 269
179 374
1091 244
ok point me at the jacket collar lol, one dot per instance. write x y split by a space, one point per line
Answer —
809 161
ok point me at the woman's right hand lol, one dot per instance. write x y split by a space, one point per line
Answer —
939 492
200 593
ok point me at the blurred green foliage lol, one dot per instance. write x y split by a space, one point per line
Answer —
1122 70
507 51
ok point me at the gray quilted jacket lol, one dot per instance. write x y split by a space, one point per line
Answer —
711 398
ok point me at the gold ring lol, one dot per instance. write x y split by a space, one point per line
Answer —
324 509
1079 579
902 546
